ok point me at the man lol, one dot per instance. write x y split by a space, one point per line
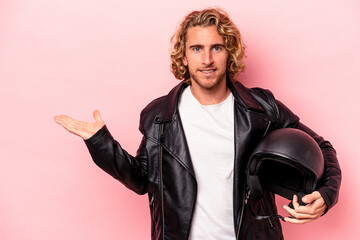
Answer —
197 141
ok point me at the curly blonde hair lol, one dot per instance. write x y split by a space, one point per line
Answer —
225 27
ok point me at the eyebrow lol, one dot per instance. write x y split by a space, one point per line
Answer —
200 46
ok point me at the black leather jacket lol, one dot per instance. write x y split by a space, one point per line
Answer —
162 166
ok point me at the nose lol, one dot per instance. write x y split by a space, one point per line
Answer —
207 57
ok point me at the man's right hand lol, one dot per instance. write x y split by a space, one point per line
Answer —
80 128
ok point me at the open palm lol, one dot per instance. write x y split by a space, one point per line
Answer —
80 128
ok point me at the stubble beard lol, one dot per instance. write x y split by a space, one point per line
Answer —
206 84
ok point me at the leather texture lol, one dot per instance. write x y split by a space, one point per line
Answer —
162 167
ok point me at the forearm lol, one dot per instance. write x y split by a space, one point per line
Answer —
329 184
109 155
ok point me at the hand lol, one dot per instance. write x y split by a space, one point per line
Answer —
302 214
80 128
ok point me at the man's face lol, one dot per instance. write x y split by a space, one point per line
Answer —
205 57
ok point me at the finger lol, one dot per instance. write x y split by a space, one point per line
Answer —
60 120
313 210
56 119
295 202
296 214
68 123
70 126
64 118
297 221
311 197
97 116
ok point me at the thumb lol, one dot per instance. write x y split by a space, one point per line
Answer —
97 116
310 197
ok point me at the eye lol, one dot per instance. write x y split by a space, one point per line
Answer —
196 49
217 48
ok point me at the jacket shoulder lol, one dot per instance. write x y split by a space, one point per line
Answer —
253 98
161 109
263 94
152 108
149 113
281 113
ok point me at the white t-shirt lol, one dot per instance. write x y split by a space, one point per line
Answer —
209 132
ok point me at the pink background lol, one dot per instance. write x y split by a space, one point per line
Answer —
74 56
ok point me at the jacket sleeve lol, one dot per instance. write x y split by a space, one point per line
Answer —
329 185
109 155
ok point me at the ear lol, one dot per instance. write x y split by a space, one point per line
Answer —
184 61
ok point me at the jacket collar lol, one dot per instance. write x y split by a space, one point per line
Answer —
243 96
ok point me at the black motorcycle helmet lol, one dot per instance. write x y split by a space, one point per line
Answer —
287 161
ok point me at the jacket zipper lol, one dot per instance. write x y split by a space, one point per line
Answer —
152 206
244 202
152 200
162 183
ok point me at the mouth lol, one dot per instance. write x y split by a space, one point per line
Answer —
207 71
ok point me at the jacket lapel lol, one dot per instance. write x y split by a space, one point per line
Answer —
250 122
173 138
175 143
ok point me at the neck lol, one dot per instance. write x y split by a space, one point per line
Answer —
211 96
